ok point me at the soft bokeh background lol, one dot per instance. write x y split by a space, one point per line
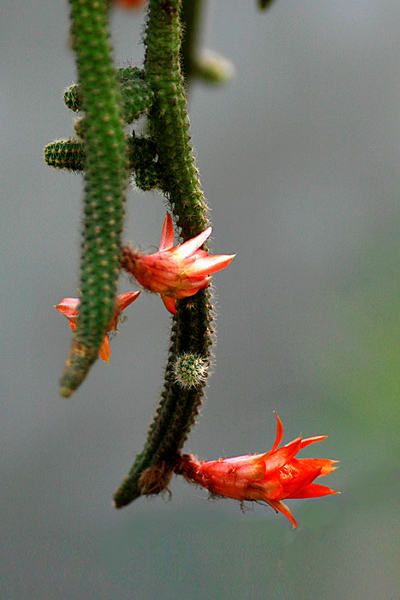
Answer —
299 159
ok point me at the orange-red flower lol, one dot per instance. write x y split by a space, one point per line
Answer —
174 271
130 3
270 477
70 308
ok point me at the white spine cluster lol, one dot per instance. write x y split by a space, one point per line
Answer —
190 370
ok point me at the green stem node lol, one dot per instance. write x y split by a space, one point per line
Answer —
142 157
65 154
136 96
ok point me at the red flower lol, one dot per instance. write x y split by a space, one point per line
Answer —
270 477
174 271
70 308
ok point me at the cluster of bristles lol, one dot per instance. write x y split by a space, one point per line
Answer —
190 370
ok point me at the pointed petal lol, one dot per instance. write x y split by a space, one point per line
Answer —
124 300
104 351
314 490
276 460
206 265
169 304
68 306
279 433
187 248
281 507
167 234
324 464
300 481
121 302
312 440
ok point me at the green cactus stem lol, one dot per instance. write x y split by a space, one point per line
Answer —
191 326
65 154
136 95
204 65
142 160
124 76
168 120
178 408
106 170
190 15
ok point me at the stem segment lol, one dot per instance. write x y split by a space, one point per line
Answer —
106 170
191 326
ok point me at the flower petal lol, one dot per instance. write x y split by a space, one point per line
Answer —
190 287
207 265
312 440
279 433
68 306
295 479
104 351
167 234
169 304
281 507
187 248
324 464
314 490
124 300
277 459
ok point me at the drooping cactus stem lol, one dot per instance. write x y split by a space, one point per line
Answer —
178 407
191 326
106 170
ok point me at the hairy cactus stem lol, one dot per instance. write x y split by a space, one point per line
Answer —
169 125
70 154
191 330
177 410
106 171
135 93
168 119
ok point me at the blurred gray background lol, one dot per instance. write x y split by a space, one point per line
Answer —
299 159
